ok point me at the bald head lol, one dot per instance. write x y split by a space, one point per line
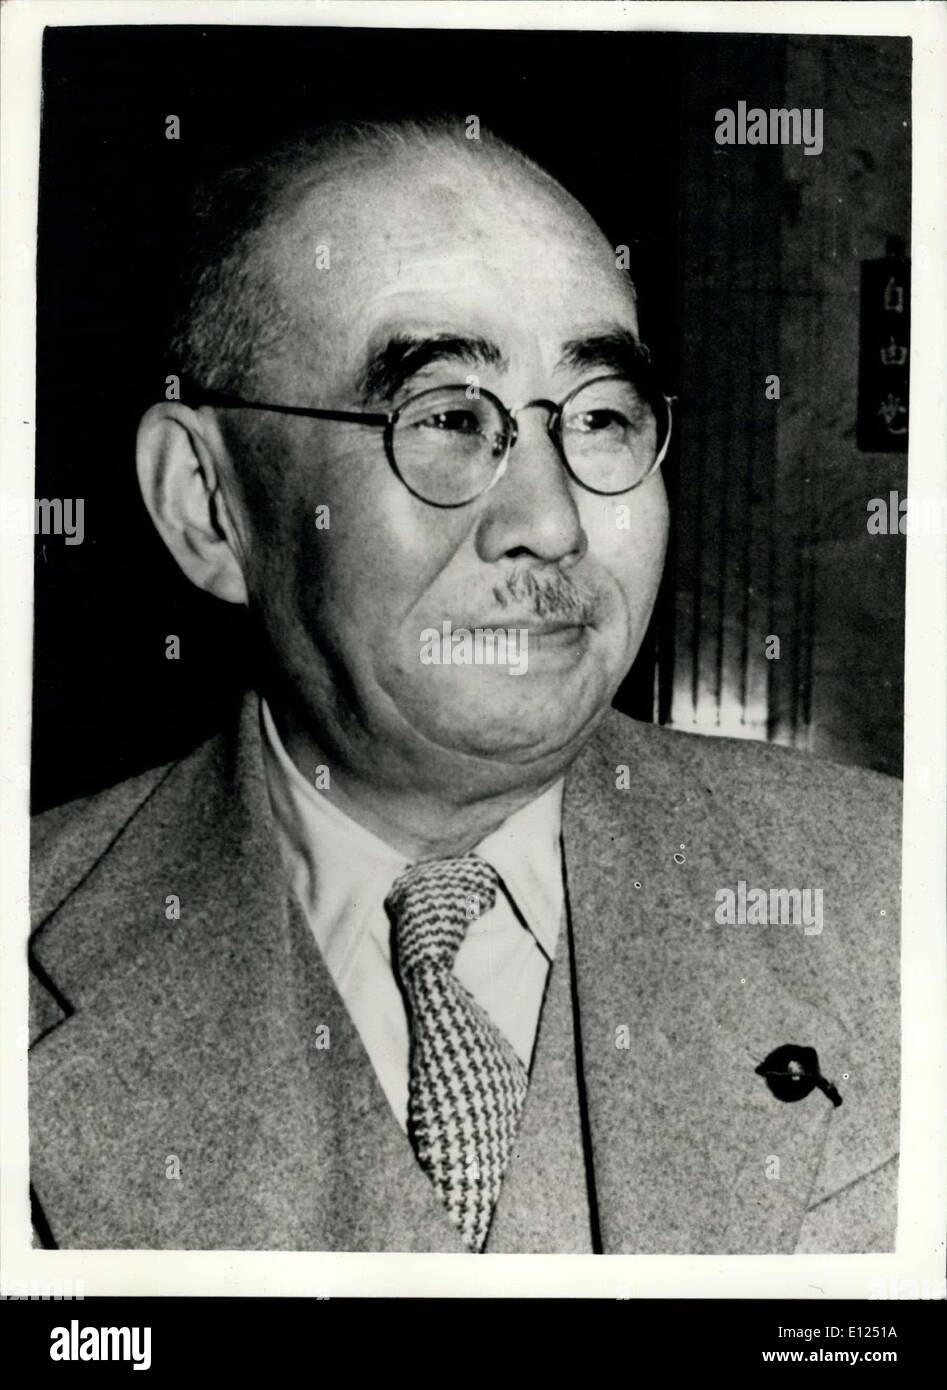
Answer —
266 235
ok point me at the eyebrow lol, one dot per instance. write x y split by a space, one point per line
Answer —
404 355
618 350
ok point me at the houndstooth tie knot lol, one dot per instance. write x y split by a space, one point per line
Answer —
434 903
466 1084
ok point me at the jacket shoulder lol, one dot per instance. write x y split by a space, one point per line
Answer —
67 840
777 791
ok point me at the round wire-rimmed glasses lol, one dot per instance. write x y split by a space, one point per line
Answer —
450 444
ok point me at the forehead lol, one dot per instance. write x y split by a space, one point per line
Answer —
444 241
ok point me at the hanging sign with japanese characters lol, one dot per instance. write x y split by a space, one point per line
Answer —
884 362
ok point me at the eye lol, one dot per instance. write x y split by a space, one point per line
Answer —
596 421
450 422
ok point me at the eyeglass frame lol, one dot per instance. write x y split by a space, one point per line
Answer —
389 420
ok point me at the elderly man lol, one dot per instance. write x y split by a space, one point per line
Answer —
427 954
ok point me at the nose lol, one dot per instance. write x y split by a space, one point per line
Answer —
531 512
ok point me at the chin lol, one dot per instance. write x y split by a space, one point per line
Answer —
516 719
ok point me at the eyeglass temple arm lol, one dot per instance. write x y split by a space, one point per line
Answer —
309 412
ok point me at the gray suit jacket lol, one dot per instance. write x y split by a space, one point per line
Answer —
179 1097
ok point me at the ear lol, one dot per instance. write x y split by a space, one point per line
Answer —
183 467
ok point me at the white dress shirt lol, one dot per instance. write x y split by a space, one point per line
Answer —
341 873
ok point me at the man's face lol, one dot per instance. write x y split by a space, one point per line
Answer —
462 250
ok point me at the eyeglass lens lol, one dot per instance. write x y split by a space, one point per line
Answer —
447 446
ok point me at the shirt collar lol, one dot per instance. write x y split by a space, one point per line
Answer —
525 852
333 860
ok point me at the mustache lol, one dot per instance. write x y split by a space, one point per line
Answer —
547 595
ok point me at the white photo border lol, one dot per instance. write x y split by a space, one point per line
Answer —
918 1262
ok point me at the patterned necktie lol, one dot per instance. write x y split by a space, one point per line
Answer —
466 1084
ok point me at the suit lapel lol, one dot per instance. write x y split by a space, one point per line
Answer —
692 1152
543 1204
208 1089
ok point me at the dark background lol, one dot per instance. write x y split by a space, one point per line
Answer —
747 262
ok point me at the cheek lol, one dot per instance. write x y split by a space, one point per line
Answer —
358 549
628 538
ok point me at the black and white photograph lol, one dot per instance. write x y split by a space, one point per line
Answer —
468 701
